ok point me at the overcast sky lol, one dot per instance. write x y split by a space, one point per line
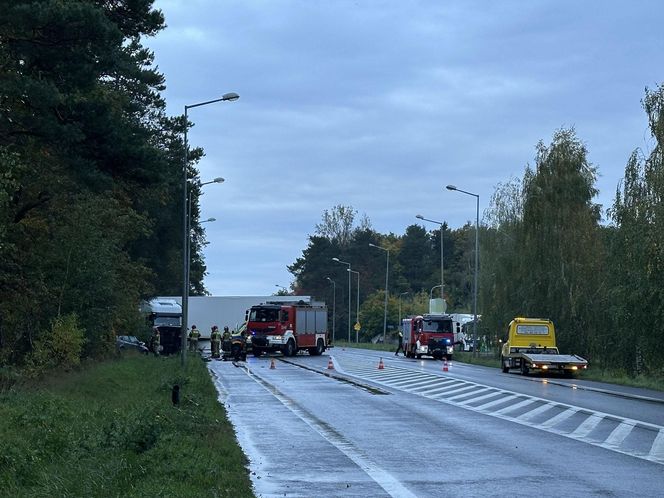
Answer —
380 104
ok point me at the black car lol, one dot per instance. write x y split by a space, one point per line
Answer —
126 342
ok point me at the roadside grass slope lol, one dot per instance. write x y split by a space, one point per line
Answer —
112 430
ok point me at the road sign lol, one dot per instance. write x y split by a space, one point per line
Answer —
357 327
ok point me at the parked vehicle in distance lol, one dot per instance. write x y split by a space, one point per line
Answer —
166 315
126 342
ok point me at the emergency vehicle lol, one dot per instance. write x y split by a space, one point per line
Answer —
430 335
288 328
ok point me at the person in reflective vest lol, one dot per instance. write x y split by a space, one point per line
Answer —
226 340
156 340
215 340
194 334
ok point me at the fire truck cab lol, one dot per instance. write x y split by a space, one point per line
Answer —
428 335
288 328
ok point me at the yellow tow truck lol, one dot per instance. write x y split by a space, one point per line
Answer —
531 347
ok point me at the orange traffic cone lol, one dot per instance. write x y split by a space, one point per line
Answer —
380 365
272 365
330 365
445 366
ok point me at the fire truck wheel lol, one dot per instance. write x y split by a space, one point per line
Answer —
289 348
318 350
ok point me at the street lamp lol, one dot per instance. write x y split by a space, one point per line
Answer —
345 263
228 97
402 294
442 279
387 272
357 312
334 307
282 288
431 291
477 251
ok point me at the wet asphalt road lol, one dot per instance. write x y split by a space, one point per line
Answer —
412 429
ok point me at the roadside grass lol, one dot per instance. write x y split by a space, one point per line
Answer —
111 430
490 359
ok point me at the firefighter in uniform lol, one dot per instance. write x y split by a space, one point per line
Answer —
194 334
215 338
156 340
399 345
226 340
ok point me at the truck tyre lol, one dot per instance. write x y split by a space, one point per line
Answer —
318 350
419 356
289 348
504 365
256 352
524 368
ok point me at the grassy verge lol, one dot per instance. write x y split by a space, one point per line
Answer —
112 430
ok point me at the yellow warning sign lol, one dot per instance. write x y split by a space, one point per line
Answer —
357 326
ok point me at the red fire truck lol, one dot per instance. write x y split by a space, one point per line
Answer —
288 328
431 335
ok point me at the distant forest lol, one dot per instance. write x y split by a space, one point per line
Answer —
543 251
91 179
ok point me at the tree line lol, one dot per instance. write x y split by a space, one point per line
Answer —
545 251
91 178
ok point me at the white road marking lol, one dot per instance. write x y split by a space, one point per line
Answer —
490 404
384 479
612 442
657 448
552 422
587 426
480 398
454 391
535 412
458 396
619 434
516 406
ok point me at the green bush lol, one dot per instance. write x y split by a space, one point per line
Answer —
61 348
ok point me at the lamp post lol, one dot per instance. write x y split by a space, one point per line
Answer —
442 278
334 307
185 301
228 97
345 263
402 294
477 253
387 272
357 312
431 291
